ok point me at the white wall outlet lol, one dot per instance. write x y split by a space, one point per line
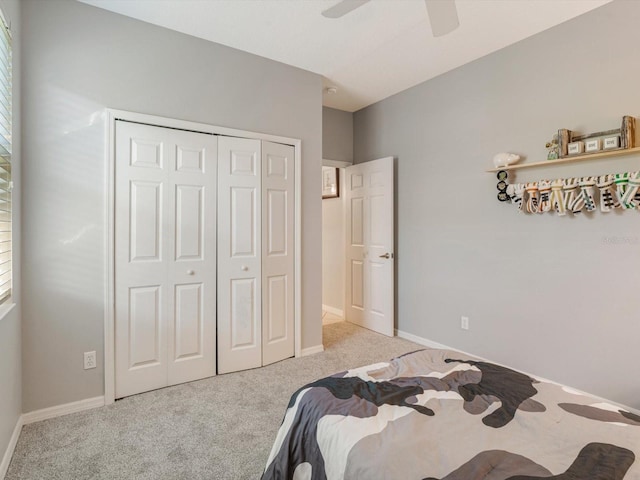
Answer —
89 360
464 323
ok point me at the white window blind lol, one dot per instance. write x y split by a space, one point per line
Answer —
5 160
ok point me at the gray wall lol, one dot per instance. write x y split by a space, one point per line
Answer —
10 326
78 60
553 296
337 135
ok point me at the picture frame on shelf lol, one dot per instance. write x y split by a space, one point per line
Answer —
330 182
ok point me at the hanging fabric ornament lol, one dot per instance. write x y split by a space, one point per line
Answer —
587 192
608 197
532 196
570 187
628 200
557 199
621 180
516 194
544 187
577 204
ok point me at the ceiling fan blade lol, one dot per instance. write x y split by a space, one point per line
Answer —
342 8
443 16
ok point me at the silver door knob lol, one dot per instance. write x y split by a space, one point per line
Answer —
387 255
190 272
244 268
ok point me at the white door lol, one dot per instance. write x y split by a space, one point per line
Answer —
165 259
239 254
277 252
370 245
255 253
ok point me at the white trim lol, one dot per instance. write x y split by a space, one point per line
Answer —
431 344
312 350
109 314
426 342
335 163
333 311
297 274
166 122
8 453
60 410
5 308
109 302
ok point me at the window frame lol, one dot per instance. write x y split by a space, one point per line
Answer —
6 184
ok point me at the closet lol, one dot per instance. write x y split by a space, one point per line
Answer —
204 260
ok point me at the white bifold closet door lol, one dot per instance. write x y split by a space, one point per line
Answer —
165 261
255 253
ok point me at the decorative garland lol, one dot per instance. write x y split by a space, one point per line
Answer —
575 195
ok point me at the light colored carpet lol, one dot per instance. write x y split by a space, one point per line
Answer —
218 428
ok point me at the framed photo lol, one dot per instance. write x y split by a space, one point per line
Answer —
330 182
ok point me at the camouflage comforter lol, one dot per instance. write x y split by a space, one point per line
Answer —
437 414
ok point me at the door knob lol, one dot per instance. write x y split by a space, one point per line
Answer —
244 268
387 255
190 272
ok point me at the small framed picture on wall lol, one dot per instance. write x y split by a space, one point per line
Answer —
330 182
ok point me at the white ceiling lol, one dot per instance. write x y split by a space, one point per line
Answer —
375 51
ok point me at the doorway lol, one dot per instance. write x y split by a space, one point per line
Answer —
333 241
358 245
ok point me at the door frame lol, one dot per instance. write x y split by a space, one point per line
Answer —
158 121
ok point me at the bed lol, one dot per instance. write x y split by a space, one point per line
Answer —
441 415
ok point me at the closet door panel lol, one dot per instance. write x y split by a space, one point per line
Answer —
189 338
239 255
141 258
243 222
244 334
190 219
192 270
277 252
165 257
145 326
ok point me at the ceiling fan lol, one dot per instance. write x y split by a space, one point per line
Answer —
443 14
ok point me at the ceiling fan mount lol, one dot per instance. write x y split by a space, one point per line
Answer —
443 14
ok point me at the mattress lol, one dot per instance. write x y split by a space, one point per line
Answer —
439 414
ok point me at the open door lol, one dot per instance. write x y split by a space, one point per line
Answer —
369 229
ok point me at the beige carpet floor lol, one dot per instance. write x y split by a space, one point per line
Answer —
218 428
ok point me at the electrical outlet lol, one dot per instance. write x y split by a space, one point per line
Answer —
464 323
89 360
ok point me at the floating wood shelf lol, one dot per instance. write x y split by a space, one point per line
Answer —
574 158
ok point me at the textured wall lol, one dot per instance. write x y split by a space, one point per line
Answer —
78 60
552 296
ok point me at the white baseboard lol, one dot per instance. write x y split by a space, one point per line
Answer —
59 410
431 344
311 350
13 441
335 311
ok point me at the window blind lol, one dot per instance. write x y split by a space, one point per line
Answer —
5 160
